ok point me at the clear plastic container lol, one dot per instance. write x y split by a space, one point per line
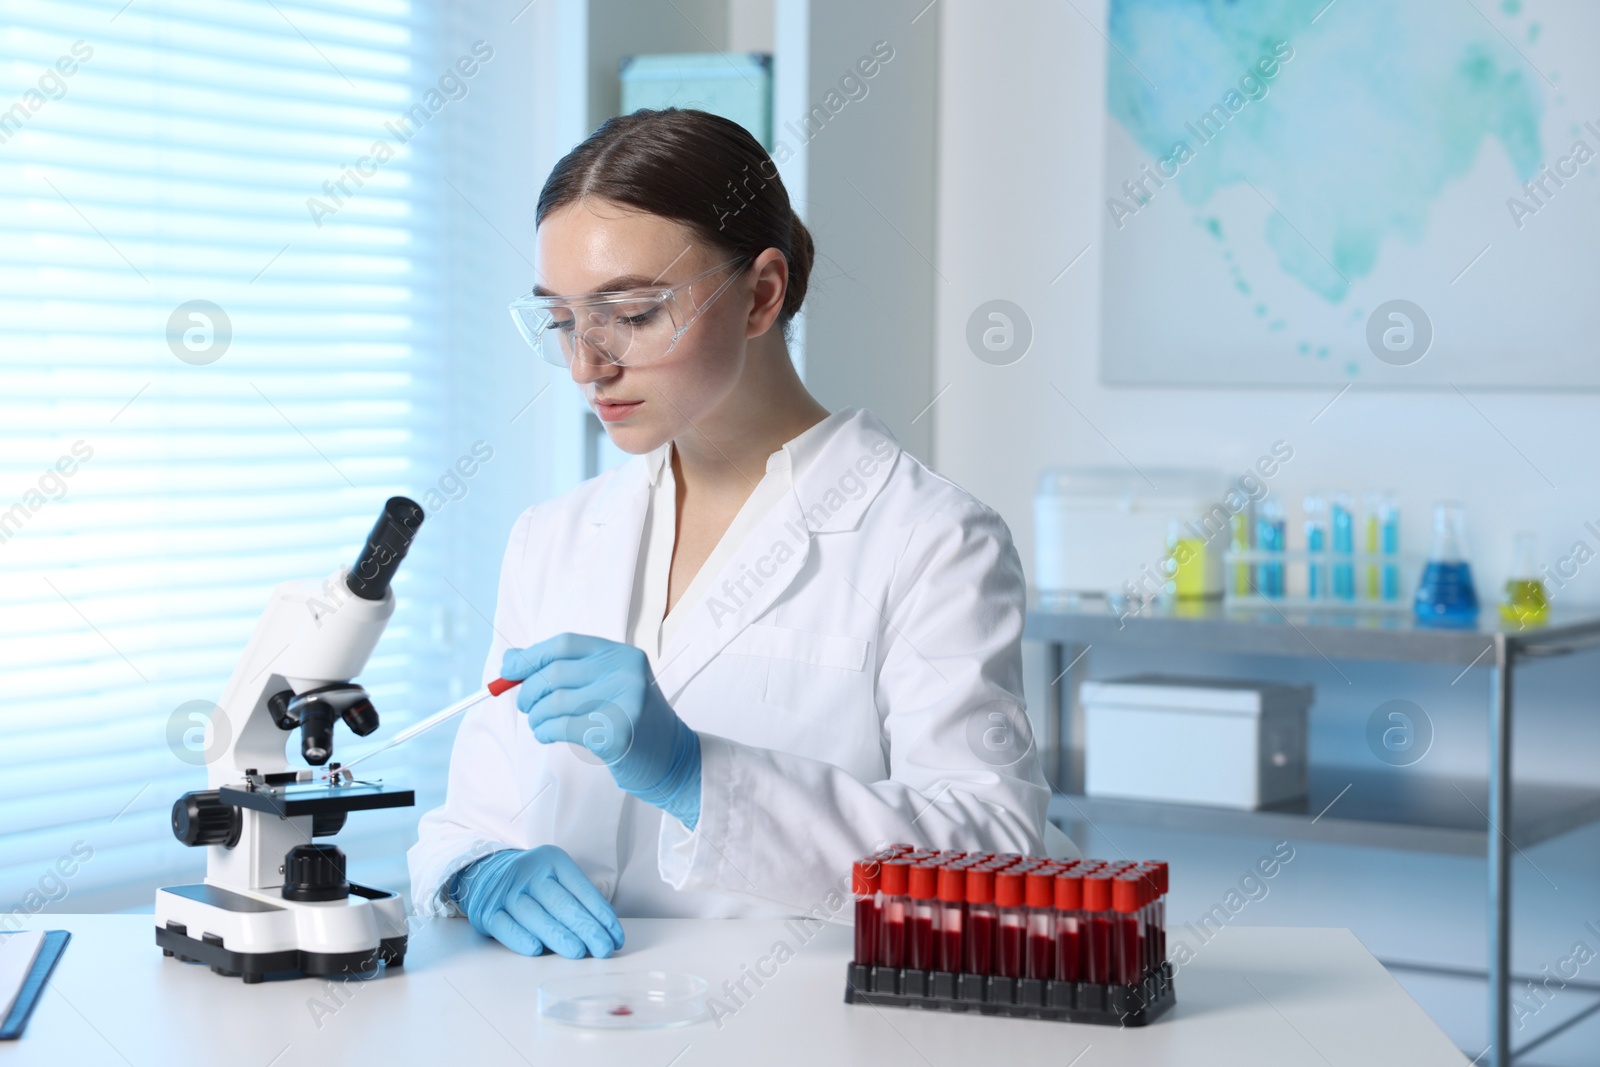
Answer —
626 1000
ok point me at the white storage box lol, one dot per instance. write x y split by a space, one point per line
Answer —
1222 742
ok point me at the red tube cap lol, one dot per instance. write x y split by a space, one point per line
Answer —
896 877
980 886
1097 892
1127 892
1008 888
924 881
865 877
952 884
1069 890
1041 890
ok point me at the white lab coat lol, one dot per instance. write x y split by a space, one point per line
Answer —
849 676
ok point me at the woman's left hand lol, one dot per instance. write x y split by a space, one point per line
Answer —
602 695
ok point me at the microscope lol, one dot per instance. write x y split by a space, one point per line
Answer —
274 901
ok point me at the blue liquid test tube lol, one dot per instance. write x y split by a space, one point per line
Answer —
1269 538
1342 524
1389 545
1316 510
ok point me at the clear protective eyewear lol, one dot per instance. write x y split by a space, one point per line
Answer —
627 328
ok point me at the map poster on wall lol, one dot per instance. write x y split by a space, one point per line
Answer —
1383 193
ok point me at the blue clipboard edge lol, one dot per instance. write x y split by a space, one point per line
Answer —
55 943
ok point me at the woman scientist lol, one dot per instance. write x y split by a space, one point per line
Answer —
769 642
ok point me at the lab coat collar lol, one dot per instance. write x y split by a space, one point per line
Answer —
838 484
850 467
795 454
643 471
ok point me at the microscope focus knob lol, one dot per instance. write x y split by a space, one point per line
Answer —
315 872
201 818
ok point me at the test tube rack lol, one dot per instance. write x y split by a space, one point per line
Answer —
1080 941
1026 998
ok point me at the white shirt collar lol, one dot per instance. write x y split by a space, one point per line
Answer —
795 455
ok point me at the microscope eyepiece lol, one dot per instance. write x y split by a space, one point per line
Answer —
386 546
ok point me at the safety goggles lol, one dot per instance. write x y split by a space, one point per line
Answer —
628 328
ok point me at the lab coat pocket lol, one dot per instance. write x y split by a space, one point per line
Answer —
809 673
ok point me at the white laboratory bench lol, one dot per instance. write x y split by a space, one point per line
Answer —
1254 995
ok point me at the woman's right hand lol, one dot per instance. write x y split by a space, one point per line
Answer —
537 899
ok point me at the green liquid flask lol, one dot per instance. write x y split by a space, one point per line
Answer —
1526 603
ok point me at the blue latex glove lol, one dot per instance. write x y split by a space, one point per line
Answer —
600 694
530 900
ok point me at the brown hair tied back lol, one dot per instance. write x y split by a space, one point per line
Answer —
696 168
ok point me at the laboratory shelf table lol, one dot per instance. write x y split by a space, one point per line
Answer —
1279 995
1472 817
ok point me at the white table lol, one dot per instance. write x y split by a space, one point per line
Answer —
1254 995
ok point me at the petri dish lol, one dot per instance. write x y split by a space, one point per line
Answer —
625 1000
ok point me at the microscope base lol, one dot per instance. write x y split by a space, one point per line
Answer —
255 936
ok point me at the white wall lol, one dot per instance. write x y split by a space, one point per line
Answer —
864 182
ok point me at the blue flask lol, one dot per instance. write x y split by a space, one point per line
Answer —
1445 596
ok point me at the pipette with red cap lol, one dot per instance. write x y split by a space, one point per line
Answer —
493 689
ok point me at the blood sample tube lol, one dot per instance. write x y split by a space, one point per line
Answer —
1096 927
1010 902
922 916
1158 912
982 921
1040 891
952 916
1147 921
1127 901
1069 917
894 880
865 878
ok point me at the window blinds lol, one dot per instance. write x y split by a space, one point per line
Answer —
222 347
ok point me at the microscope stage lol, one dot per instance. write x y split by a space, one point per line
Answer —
310 798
